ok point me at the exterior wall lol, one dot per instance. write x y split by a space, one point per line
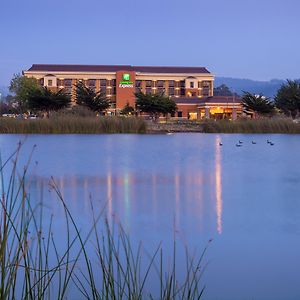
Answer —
186 109
125 89
125 94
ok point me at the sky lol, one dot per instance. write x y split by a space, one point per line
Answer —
255 39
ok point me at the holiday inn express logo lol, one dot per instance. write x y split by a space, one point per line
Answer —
126 77
126 83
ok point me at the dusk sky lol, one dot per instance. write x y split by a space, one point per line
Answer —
257 39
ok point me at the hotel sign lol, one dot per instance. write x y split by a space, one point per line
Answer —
126 83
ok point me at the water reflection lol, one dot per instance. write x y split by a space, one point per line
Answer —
219 205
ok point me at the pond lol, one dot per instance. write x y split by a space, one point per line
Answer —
246 199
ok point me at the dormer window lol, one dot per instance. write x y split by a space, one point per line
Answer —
191 84
50 82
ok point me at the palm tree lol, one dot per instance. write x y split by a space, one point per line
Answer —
257 104
96 101
288 98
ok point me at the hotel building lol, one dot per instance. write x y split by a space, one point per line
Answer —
190 87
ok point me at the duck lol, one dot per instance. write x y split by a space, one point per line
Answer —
240 142
271 144
238 145
253 142
220 144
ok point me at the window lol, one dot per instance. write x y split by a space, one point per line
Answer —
160 83
103 82
182 92
91 82
50 82
68 82
60 82
182 84
171 91
205 84
148 90
179 114
192 85
138 86
171 83
160 90
148 83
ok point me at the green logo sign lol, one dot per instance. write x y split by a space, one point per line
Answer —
126 83
126 77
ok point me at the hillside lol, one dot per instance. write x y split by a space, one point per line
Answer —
267 88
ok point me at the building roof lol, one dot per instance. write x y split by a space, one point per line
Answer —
220 99
114 68
213 99
186 100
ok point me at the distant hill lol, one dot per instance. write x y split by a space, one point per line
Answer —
267 88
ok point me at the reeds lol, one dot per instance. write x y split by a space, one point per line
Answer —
266 125
100 264
73 125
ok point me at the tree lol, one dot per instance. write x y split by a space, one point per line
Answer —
222 90
288 98
22 87
258 104
127 110
45 100
96 101
155 104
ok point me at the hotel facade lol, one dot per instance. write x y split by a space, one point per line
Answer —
190 87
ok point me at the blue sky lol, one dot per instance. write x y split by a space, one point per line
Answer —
257 39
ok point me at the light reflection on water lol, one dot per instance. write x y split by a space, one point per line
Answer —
246 199
218 185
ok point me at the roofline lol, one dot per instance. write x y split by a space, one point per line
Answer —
126 67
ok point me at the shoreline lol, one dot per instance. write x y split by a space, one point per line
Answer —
133 125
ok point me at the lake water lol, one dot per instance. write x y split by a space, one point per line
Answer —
247 199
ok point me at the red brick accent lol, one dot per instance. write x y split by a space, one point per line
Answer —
125 94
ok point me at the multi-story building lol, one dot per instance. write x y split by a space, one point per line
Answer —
190 87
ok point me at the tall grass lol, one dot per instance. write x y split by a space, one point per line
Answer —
274 125
100 264
73 124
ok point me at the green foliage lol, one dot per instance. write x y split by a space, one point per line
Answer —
96 101
46 100
263 125
127 110
288 98
155 104
23 87
257 103
73 124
